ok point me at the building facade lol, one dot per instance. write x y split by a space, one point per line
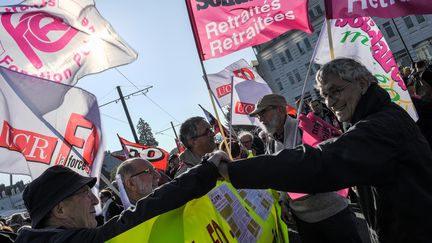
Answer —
284 61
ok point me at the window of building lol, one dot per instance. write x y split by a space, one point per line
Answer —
388 29
318 9
408 22
271 64
307 44
288 54
297 75
290 78
282 58
300 48
279 83
420 19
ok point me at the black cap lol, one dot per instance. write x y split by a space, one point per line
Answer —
51 187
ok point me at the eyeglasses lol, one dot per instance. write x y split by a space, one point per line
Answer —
263 112
149 171
247 141
207 132
335 93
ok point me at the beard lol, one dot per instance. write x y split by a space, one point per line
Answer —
272 126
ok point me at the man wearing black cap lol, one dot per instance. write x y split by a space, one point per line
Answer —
62 205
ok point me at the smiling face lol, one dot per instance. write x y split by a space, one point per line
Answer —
342 96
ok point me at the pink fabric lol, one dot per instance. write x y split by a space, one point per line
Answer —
316 130
228 26
383 8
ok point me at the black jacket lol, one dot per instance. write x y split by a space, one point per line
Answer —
384 148
194 184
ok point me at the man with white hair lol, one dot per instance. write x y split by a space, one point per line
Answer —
139 178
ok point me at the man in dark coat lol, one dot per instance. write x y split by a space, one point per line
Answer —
62 206
383 148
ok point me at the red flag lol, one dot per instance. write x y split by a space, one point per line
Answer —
385 9
180 146
228 26
213 122
157 156
291 111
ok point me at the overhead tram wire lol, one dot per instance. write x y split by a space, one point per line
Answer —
156 104
114 118
166 129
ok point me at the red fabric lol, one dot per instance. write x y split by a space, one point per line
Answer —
384 9
157 156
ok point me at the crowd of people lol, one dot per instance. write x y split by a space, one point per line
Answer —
383 158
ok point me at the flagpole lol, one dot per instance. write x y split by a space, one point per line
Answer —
205 77
330 39
175 133
127 114
403 42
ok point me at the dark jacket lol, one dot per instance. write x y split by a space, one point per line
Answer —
384 148
174 194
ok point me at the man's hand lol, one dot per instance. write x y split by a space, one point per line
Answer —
220 159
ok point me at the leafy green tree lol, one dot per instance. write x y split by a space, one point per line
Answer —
145 134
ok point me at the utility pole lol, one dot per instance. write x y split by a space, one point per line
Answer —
127 114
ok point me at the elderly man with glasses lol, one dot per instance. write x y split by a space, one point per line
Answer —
197 136
383 148
62 206
139 178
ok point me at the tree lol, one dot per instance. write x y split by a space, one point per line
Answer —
145 134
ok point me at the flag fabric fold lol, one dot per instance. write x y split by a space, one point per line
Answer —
245 97
37 32
220 83
40 129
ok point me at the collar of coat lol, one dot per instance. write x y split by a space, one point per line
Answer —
372 101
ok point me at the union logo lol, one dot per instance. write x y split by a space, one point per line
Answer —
38 31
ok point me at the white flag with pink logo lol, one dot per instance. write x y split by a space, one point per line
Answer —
220 83
39 130
245 97
59 40
361 39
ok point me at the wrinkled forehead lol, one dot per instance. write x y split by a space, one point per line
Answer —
329 82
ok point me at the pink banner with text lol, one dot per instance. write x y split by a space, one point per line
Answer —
228 26
383 8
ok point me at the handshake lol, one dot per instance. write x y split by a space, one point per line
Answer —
220 160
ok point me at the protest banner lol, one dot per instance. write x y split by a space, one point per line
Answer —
360 39
223 215
384 8
39 130
59 40
223 27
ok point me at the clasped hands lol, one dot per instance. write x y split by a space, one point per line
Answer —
220 159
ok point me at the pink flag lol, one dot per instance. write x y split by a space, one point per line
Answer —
60 40
44 123
223 27
157 156
383 8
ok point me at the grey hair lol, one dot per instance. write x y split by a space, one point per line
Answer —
188 129
126 168
346 69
